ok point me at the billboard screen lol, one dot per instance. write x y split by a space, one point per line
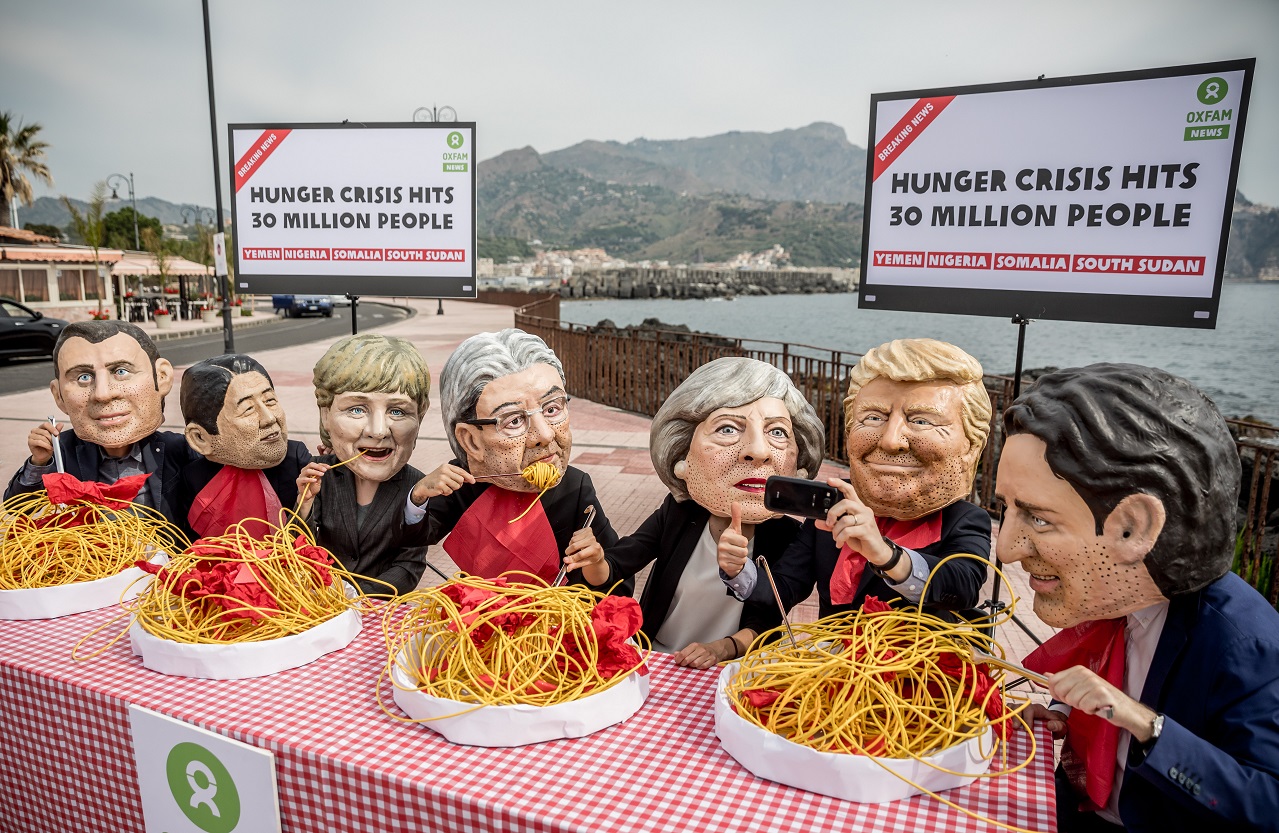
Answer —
364 209
1103 198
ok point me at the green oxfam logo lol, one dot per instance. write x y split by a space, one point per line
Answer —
203 788
1212 90
455 140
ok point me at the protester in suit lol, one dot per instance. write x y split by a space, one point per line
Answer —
505 408
373 391
110 381
732 424
248 467
1120 484
916 416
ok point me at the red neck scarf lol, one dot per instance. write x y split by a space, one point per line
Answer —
233 496
1088 756
484 543
914 534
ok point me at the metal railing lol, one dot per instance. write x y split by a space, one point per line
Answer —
636 369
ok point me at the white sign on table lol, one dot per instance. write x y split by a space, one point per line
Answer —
361 209
196 781
1099 198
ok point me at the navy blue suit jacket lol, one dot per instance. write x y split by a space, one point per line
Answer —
1215 678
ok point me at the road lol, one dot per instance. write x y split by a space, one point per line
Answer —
31 374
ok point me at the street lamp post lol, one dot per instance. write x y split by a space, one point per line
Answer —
194 214
444 113
435 114
137 245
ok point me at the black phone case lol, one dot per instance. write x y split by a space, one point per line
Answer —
796 496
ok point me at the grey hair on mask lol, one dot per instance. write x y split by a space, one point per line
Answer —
728 383
479 360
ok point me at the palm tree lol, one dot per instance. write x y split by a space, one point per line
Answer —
20 153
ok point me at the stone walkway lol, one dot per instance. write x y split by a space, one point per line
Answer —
610 445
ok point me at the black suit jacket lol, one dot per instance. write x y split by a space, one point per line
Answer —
565 507
164 454
283 477
957 586
667 538
383 547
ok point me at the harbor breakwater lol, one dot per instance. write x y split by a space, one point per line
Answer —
696 282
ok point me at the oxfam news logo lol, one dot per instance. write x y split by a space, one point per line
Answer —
1212 90
203 788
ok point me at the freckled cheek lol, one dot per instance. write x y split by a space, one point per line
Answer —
862 440
722 464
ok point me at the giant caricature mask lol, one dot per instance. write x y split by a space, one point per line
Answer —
916 416
233 415
493 450
109 386
372 391
1119 484
727 428
734 451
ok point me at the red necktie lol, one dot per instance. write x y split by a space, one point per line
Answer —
1088 756
915 534
484 543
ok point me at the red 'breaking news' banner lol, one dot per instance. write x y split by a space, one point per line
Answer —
257 154
906 130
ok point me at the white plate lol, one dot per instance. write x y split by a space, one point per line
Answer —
242 660
78 597
519 725
851 777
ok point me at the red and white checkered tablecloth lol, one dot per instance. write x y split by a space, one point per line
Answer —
66 757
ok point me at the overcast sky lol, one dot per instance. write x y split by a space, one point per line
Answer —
120 86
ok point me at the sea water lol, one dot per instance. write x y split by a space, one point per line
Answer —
1237 364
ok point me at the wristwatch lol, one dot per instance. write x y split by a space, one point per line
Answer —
1156 729
882 570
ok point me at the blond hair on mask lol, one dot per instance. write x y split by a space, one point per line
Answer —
371 363
926 360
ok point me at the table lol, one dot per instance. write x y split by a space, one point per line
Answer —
66 758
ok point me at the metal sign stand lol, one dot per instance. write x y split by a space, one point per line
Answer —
994 605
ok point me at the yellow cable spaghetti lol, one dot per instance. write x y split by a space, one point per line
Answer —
303 584
541 476
515 641
42 545
873 684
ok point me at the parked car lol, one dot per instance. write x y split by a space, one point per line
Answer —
295 306
26 332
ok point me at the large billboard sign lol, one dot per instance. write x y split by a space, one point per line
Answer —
364 209
1102 198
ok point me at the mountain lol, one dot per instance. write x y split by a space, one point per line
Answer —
815 163
704 199
50 210
522 196
1254 240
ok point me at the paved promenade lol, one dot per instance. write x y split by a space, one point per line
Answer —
610 445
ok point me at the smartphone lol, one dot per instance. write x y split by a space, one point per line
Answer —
797 496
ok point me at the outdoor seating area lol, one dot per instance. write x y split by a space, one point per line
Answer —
179 286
